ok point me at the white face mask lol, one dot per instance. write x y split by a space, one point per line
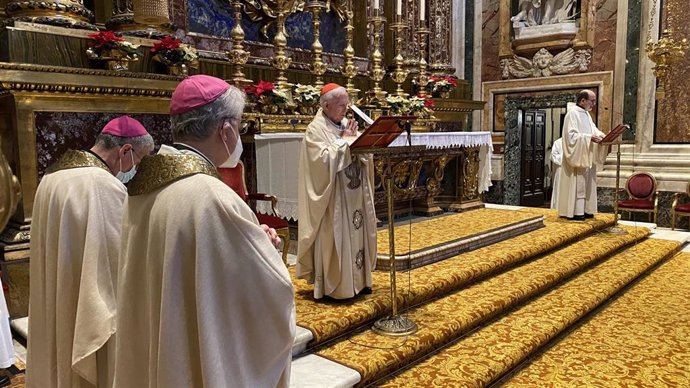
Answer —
126 176
234 156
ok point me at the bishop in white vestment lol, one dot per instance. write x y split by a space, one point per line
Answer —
337 220
75 245
204 297
577 188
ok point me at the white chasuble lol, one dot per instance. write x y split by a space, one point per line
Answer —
577 180
337 220
75 242
557 160
204 297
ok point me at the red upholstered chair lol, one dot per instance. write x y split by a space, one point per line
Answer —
235 178
642 195
679 209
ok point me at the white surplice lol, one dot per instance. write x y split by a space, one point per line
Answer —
337 220
75 242
557 160
205 299
577 188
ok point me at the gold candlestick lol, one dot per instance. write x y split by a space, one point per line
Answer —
318 68
280 60
423 79
350 70
399 75
238 55
377 71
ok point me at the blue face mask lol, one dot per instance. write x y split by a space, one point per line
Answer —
126 176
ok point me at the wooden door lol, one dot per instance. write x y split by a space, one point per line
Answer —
532 164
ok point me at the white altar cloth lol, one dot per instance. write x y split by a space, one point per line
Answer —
277 162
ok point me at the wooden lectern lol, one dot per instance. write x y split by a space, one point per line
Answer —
611 138
375 140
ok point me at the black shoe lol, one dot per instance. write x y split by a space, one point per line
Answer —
576 218
587 215
4 381
365 291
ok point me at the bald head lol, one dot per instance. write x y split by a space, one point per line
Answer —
586 99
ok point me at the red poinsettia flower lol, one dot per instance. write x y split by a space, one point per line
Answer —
250 90
167 43
453 80
262 87
428 103
104 38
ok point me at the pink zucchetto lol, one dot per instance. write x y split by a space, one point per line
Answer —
124 126
196 91
329 87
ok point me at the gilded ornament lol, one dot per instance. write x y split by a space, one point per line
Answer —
158 171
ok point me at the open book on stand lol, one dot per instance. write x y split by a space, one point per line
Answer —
615 132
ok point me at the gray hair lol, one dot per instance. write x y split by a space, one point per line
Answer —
139 143
199 123
332 95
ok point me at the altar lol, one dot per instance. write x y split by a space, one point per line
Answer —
420 171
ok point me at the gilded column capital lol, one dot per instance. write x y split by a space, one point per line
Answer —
63 13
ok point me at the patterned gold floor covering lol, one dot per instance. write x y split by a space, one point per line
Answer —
640 339
433 239
329 320
456 314
487 354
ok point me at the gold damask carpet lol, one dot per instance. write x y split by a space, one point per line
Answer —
641 339
487 354
330 320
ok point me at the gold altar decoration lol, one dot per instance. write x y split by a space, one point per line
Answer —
422 78
266 12
350 70
151 12
238 55
10 191
665 52
377 73
317 68
65 13
399 75
281 61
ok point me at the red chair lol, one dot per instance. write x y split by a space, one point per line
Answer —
235 178
642 195
679 209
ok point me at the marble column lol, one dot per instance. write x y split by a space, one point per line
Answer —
64 13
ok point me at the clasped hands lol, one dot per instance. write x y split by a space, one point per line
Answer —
351 129
272 235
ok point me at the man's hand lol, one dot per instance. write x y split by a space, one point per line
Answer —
351 129
597 139
272 235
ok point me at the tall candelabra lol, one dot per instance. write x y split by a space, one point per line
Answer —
238 55
377 71
666 52
423 80
399 75
317 68
281 61
350 70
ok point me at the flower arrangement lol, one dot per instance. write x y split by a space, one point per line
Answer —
108 46
398 105
421 107
306 95
440 85
172 52
267 97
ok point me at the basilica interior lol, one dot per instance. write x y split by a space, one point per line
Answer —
500 289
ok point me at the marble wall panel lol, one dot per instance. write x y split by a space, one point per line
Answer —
673 112
632 66
490 40
604 36
57 132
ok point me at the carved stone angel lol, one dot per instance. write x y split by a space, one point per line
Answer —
543 64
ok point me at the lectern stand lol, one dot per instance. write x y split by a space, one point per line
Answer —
611 138
375 140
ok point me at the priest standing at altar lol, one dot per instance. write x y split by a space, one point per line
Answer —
337 221
582 153
204 299
75 244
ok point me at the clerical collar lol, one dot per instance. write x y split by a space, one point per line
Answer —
182 146
98 156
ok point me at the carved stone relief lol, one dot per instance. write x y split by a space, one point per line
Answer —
545 64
